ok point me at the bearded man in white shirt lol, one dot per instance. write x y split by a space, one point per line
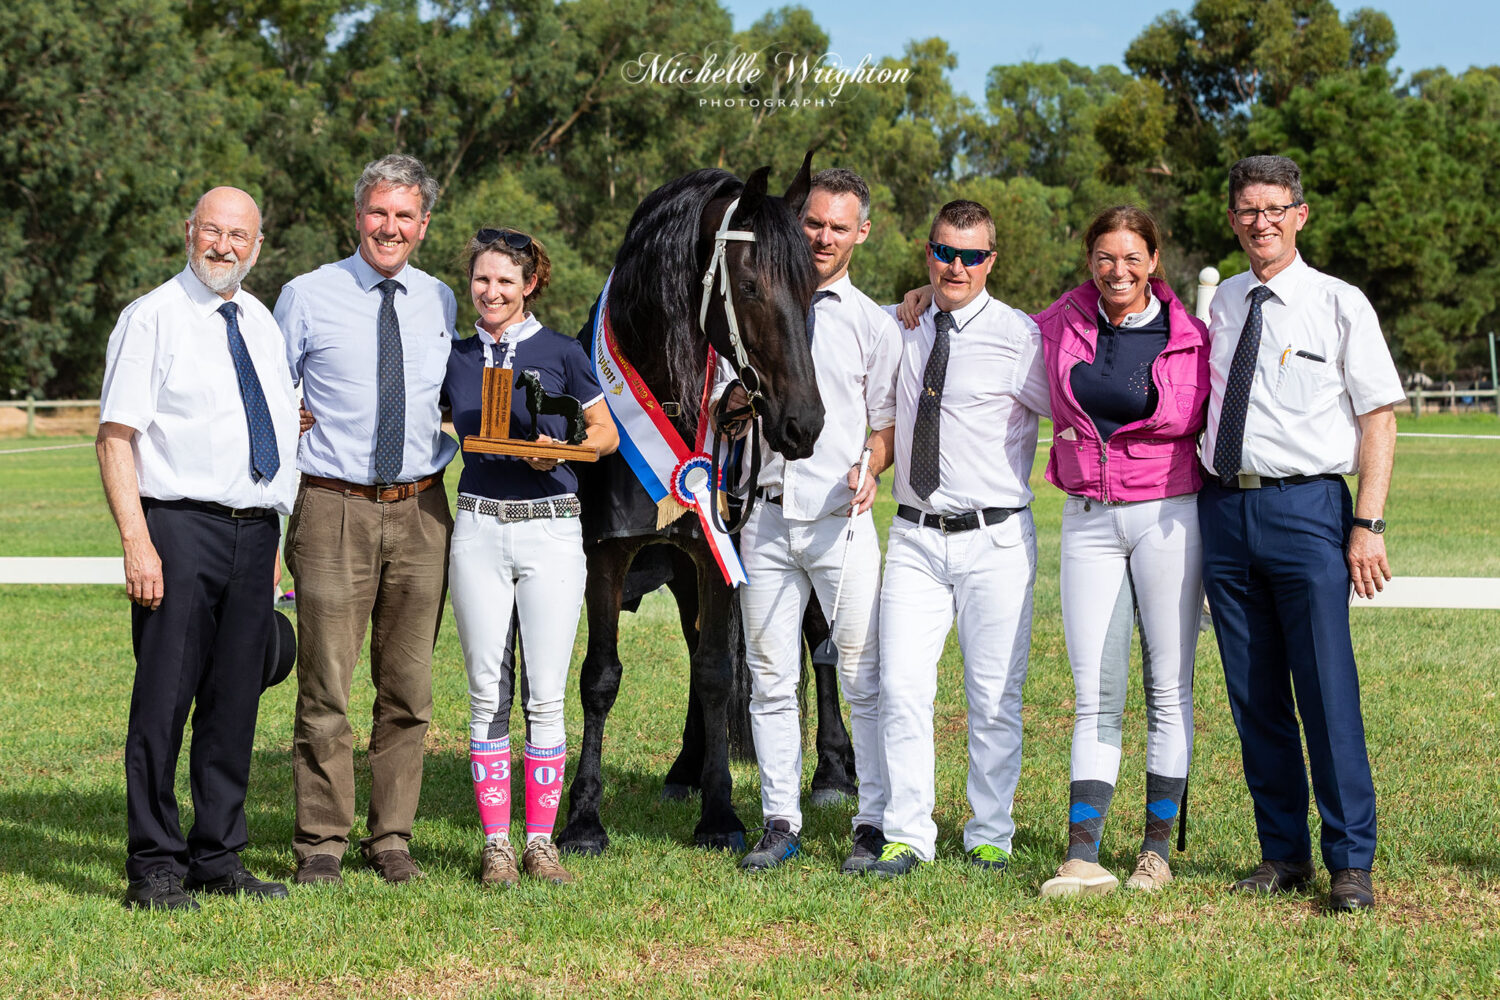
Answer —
197 445
799 534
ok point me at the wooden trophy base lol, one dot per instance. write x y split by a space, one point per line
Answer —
494 427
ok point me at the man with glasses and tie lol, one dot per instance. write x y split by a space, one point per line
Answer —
1302 390
969 388
368 338
197 440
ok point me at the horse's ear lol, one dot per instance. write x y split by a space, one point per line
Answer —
796 193
751 197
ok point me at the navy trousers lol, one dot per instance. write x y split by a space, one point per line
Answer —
206 643
1278 586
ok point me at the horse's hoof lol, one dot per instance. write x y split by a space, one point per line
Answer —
825 797
673 792
731 840
591 841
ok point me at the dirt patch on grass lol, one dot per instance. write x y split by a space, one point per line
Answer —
50 423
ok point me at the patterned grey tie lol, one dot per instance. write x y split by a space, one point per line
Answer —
390 383
924 476
1230 443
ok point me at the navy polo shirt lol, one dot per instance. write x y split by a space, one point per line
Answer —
564 367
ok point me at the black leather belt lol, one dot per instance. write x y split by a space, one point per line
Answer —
768 497
208 507
950 524
1248 481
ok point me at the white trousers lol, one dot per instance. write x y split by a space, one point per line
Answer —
537 566
1117 561
984 577
786 560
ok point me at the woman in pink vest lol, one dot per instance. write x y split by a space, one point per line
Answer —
1127 369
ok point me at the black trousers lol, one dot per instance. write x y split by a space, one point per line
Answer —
205 644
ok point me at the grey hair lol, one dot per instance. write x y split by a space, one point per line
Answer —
396 170
1277 171
841 180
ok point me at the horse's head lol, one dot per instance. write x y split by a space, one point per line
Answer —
771 284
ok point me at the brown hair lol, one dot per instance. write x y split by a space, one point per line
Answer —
1277 171
1122 218
532 260
841 180
962 214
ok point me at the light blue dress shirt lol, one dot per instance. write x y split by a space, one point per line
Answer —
328 318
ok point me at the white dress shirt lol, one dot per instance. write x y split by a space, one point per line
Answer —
855 349
1322 362
995 388
169 375
329 318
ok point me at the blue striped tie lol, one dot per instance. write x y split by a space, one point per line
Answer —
390 405
264 458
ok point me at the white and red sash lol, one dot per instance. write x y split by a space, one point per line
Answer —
654 450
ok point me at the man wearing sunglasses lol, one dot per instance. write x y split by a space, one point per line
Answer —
969 388
368 338
1302 390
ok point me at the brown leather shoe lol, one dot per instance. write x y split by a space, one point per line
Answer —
1277 876
541 861
497 865
1351 891
396 866
319 869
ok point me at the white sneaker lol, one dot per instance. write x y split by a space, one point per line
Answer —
1076 877
1151 872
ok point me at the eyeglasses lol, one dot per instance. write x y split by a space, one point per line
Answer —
1273 213
513 239
211 233
945 254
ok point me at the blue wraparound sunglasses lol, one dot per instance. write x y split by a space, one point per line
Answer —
945 254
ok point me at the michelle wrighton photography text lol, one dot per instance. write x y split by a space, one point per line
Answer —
737 77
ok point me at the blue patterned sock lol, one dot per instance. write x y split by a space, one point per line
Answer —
1089 804
1163 799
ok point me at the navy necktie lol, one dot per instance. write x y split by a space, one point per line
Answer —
812 311
264 458
923 475
1230 442
390 385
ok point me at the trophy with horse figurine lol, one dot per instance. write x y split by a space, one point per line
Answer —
494 420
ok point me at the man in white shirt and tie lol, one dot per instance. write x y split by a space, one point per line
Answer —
969 389
794 542
368 337
197 444
1302 393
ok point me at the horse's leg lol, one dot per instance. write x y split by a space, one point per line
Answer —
685 774
834 778
713 675
598 684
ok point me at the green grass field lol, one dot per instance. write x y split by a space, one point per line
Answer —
655 917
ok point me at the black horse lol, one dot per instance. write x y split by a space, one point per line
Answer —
654 313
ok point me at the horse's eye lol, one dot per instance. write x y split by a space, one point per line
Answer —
747 288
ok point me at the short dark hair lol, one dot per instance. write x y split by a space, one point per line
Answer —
1122 218
964 214
841 180
531 260
396 170
1278 171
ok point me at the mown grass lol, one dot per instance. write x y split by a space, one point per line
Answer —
656 917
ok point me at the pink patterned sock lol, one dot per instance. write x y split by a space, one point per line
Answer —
489 765
544 782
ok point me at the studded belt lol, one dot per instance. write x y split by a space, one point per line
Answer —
519 510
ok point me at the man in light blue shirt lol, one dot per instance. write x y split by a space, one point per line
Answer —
368 338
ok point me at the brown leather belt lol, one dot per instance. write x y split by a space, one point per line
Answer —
379 494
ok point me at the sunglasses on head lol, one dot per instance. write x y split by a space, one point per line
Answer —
512 239
945 254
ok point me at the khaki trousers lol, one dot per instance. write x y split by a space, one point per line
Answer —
358 561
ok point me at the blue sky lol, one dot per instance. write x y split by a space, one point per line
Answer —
983 33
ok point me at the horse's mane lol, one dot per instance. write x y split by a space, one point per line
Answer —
657 283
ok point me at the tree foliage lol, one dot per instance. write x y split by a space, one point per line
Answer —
116 115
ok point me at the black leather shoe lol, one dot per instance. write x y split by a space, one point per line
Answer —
1351 891
1277 876
868 843
237 883
161 889
319 869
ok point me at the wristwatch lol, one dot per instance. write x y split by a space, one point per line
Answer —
1375 524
